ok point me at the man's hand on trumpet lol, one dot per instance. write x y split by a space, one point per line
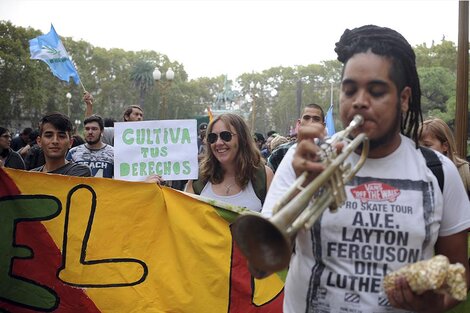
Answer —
307 154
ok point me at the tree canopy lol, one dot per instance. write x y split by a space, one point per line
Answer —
119 78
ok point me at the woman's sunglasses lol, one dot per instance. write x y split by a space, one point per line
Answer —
225 136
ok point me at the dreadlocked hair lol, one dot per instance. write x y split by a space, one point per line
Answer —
388 43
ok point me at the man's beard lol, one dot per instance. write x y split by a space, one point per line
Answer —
390 134
92 142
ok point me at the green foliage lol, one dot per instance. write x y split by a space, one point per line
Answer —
142 79
119 78
437 87
440 55
437 66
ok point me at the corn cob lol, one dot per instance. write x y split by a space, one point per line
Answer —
433 274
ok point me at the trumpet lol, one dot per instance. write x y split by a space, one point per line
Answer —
267 243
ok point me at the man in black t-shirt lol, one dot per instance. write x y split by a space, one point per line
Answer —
55 139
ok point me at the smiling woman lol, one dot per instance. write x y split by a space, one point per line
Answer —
231 169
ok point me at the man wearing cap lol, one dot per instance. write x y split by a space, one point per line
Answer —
201 137
21 140
259 140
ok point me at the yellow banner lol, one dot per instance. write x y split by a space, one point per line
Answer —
122 247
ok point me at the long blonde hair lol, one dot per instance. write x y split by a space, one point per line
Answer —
441 131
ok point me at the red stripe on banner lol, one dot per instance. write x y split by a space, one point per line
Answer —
42 268
8 187
241 292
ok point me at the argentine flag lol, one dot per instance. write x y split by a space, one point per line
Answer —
49 48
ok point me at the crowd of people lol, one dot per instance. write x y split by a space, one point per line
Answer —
397 210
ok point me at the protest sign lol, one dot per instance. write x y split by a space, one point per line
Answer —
167 148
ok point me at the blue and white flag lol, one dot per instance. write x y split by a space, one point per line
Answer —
49 48
330 122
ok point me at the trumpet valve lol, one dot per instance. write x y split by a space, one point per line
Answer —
333 208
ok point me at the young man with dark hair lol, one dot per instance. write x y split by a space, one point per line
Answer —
94 153
395 213
312 113
55 139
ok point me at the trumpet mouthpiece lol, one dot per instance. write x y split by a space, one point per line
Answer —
357 120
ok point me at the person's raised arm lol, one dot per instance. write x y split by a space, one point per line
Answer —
88 99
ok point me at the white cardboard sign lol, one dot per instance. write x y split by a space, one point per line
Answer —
167 148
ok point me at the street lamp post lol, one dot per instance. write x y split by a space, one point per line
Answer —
69 104
253 107
163 85
77 124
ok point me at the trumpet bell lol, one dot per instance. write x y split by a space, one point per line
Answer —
266 243
267 248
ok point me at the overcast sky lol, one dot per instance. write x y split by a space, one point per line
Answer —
213 37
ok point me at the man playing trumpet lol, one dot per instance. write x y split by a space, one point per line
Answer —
395 212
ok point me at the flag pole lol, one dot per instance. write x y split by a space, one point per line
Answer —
331 94
84 90
80 80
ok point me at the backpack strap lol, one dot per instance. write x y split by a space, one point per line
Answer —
198 186
434 164
259 183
